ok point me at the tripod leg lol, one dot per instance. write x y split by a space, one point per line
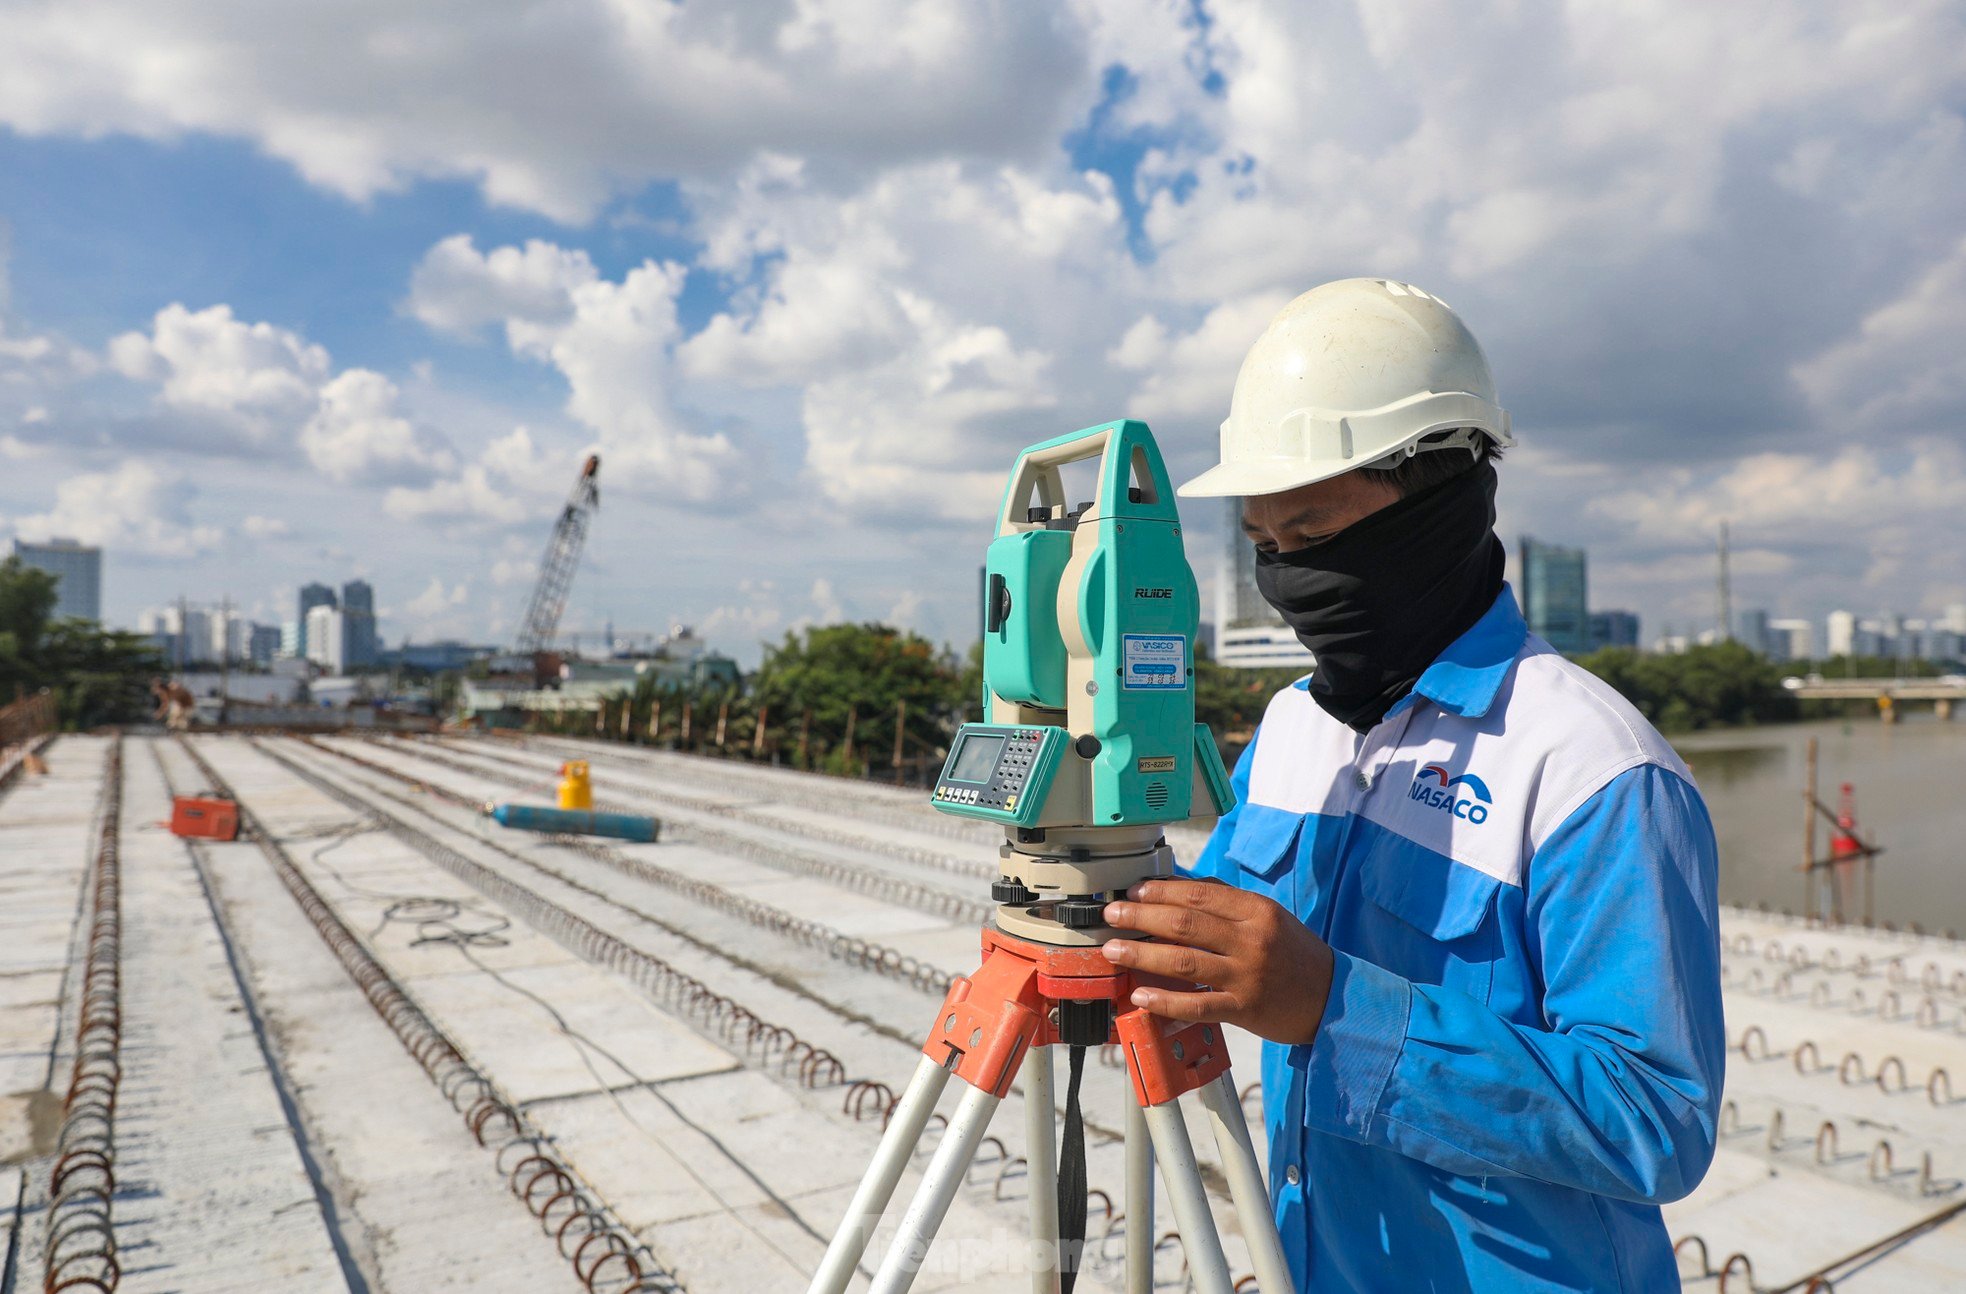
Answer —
1139 1200
938 1189
1182 1174
1041 1157
904 1131
1252 1198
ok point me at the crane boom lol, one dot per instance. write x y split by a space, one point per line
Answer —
549 595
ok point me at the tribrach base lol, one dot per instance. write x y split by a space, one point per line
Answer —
1005 1018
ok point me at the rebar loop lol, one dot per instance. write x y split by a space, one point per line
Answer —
81 1242
852 949
540 1178
864 880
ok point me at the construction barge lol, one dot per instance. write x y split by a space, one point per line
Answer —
378 1043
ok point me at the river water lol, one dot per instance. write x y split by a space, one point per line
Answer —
1910 780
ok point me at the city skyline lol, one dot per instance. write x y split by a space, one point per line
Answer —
1256 637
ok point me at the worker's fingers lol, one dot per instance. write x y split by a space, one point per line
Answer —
1209 1007
1171 960
1181 925
1209 896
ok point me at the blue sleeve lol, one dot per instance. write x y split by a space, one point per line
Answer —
1213 862
1617 1091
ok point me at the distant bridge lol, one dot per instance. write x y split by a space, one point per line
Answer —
1887 693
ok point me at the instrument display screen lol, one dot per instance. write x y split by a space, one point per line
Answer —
977 758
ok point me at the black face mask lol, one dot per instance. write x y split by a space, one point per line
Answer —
1381 599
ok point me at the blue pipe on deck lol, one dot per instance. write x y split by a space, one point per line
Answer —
575 822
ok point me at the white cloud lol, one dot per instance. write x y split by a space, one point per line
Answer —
356 433
1190 375
209 361
473 495
826 603
263 528
759 614
136 509
612 341
439 611
508 570
1484 141
551 109
926 325
435 600
456 290
1905 367
228 385
509 482
1797 494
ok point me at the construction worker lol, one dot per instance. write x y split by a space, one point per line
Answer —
1470 892
175 704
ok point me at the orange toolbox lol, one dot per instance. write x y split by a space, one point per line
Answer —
208 817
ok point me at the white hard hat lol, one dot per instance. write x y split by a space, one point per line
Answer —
1355 373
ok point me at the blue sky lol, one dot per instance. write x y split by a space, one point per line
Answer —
292 301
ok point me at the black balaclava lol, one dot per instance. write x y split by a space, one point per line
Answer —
1381 599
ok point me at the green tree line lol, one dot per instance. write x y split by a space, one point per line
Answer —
860 700
97 676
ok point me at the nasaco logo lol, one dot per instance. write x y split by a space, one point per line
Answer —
1465 796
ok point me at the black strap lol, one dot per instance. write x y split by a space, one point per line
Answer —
1071 1180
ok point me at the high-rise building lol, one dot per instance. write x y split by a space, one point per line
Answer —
263 643
293 644
1249 634
1790 640
362 648
230 635
1614 629
327 638
312 596
182 634
1752 631
1555 595
77 569
1842 635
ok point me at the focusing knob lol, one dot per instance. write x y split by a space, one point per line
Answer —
1087 746
1005 890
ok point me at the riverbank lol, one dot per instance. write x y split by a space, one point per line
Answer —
1907 778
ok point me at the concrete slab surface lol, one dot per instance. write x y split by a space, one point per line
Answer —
721 1159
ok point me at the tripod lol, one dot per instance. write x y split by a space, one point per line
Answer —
1027 997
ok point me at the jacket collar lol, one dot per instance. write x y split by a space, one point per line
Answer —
1465 679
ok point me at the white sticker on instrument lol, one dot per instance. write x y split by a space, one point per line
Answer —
1154 662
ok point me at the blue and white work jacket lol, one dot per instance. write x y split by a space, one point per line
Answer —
1522 1052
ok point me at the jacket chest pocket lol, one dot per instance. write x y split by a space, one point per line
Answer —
1264 851
1431 920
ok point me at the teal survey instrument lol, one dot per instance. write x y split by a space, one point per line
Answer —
1087 750
1089 744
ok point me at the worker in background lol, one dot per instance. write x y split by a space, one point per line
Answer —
175 704
1470 896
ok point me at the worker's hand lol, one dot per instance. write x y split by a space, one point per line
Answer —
1262 968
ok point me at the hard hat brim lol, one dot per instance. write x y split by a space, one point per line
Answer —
1271 476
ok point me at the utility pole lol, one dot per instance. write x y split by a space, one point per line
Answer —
224 660
1724 600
